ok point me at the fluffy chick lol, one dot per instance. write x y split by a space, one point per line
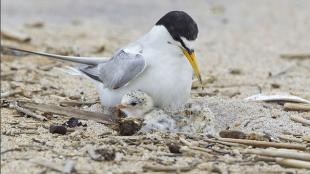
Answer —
138 104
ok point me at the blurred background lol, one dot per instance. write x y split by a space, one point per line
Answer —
245 35
245 47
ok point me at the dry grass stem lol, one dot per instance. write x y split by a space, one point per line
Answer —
265 143
296 107
299 119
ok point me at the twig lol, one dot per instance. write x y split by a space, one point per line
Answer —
27 112
193 147
161 168
72 112
77 103
264 143
10 150
281 153
220 142
187 143
293 163
264 158
14 35
296 107
295 56
287 138
299 119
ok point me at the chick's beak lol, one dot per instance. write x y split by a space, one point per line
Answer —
121 106
191 57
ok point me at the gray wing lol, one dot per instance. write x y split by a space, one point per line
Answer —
118 71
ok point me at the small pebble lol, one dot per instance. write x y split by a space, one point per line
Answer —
129 127
275 85
58 129
72 122
174 147
232 134
235 71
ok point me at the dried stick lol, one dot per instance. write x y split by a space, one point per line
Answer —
27 112
299 119
287 138
296 107
221 142
187 143
281 153
161 168
14 35
10 150
293 163
72 112
77 103
264 143
193 148
295 56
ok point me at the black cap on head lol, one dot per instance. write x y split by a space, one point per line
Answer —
179 24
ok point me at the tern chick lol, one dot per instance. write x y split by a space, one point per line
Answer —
138 104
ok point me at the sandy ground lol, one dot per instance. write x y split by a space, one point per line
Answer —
239 48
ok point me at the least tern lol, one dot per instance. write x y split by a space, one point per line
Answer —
156 63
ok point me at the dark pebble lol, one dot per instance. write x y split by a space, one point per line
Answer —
174 147
235 71
58 129
232 134
129 127
72 122
275 85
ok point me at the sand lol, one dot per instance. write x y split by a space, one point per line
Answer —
239 50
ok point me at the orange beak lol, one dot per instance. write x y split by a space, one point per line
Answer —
191 57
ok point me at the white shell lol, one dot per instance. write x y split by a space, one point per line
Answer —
277 97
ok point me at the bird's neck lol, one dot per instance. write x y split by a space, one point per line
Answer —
157 36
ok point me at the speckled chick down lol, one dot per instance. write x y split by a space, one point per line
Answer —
140 105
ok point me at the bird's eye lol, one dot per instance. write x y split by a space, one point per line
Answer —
169 42
133 103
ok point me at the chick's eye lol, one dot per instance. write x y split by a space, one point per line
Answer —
133 103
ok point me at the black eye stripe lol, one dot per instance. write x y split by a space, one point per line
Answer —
185 47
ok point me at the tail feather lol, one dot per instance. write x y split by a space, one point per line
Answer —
83 60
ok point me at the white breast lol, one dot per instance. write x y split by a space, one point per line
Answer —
167 78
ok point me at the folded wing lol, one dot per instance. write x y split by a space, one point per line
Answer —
118 71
